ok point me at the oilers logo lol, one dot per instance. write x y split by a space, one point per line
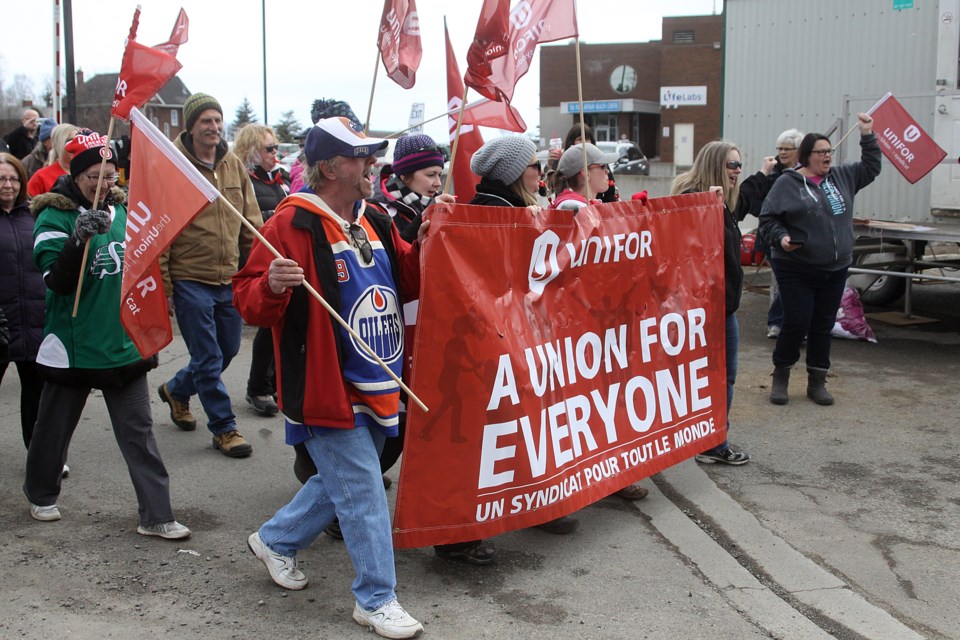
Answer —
376 318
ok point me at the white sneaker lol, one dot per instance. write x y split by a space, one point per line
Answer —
283 569
389 621
773 331
172 530
65 472
45 514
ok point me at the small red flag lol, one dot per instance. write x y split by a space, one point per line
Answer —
497 115
498 62
145 70
464 180
166 192
399 41
907 146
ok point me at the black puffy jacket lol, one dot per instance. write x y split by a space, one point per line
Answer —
22 291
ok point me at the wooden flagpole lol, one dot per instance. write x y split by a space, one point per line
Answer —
326 305
96 203
456 140
583 127
373 88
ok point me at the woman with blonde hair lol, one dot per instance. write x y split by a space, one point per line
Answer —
256 146
59 163
717 168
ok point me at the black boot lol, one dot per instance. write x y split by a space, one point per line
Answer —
816 386
778 390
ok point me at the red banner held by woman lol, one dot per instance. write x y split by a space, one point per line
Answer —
562 358
907 146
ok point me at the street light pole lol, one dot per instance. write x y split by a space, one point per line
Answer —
68 59
263 13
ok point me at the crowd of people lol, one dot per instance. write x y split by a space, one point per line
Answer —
344 415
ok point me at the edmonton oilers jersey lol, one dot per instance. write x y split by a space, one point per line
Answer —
371 306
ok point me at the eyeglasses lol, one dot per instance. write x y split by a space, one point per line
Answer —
782 149
823 152
360 240
11 180
270 148
109 179
733 165
535 165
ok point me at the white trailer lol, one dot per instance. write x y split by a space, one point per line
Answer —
812 65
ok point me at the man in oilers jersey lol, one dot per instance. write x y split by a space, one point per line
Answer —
337 401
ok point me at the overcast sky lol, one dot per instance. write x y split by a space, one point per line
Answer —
316 49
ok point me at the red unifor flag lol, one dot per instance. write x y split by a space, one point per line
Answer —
166 192
498 62
602 364
907 146
464 180
400 41
144 69
496 115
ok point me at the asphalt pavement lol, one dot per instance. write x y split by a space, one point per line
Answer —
844 524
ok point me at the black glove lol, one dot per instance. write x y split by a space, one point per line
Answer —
90 223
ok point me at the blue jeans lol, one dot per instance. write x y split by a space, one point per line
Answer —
348 485
732 341
811 298
210 326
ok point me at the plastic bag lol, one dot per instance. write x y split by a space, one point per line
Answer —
851 323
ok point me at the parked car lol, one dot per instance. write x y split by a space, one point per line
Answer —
632 160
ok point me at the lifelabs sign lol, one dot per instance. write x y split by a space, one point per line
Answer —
911 149
562 357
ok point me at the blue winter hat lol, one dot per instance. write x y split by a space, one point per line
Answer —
415 152
334 137
46 128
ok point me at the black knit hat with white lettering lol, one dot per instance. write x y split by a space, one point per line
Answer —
197 104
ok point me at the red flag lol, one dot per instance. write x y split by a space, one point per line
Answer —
497 115
165 194
400 41
464 180
497 63
145 70
907 146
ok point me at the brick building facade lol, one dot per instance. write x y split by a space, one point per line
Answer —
666 94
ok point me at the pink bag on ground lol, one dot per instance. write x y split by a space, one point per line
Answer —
851 323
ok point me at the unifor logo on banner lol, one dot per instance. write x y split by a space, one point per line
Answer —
545 264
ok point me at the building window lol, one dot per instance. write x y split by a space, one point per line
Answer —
166 129
604 126
685 36
174 118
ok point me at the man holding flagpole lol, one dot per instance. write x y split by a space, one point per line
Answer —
336 400
197 270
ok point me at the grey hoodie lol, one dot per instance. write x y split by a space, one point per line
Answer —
819 216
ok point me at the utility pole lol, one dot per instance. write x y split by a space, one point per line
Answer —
68 56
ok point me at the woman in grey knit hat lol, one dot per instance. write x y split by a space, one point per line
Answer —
509 173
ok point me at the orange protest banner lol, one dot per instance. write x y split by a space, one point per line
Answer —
563 357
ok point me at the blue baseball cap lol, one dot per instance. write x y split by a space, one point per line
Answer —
333 137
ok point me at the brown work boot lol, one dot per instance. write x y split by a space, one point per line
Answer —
179 411
232 444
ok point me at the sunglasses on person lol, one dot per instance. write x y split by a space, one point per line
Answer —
535 165
733 165
361 242
271 148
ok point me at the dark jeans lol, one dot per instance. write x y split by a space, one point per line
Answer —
810 298
261 381
31 385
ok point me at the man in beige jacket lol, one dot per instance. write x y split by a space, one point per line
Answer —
197 271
